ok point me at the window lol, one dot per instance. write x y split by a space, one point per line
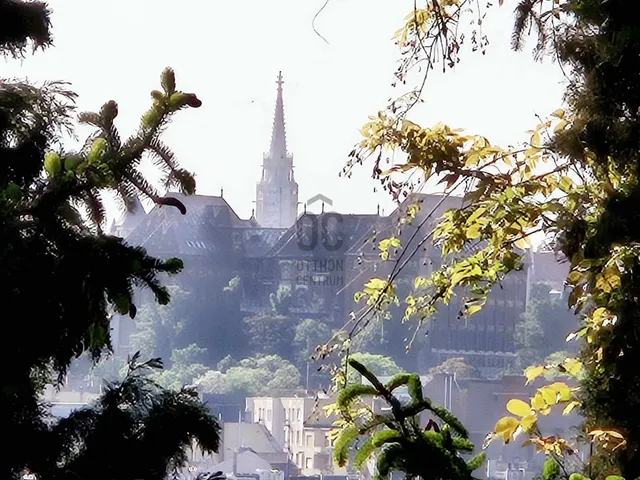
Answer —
307 462
298 442
298 414
309 440
269 415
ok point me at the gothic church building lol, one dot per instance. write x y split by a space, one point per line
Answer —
278 247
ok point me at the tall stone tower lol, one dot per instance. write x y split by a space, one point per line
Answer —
277 190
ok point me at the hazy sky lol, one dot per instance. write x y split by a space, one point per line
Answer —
230 52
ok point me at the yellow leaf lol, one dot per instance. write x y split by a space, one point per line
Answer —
506 427
523 243
530 152
549 394
573 366
474 231
536 142
565 184
533 372
528 423
567 410
472 159
518 407
563 392
559 113
473 309
560 126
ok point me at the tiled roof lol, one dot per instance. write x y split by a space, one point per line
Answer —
207 228
259 241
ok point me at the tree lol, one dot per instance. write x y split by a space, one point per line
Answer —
270 334
159 327
573 182
309 334
58 269
213 381
262 375
281 300
543 327
399 439
135 430
456 366
186 367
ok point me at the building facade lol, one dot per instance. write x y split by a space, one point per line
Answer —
301 427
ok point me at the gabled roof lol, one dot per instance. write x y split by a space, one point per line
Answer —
259 241
128 219
205 229
251 435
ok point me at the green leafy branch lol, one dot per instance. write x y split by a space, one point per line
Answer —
397 438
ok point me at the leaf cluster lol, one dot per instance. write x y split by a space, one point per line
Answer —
397 438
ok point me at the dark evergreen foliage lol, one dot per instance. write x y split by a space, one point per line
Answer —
136 430
601 48
61 278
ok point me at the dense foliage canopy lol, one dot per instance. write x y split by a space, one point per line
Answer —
64 278
573 183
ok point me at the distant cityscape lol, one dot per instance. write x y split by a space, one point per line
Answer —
269 252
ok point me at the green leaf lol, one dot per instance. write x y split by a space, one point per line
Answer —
477 461
343 444
364 453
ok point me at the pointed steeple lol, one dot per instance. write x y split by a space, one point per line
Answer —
279 135
277 190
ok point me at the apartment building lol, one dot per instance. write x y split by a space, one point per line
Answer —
300 426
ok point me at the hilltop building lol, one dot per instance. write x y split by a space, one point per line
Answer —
321 259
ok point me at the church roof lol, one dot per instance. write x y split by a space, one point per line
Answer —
203 230
258 242
128 219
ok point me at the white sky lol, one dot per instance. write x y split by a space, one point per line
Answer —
229 53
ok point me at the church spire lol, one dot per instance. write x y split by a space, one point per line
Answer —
278 135
277 190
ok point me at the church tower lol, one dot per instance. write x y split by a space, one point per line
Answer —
277 190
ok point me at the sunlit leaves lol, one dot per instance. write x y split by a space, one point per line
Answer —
533 372
387 245
526 414
518 407
608 439
378 292
506 428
